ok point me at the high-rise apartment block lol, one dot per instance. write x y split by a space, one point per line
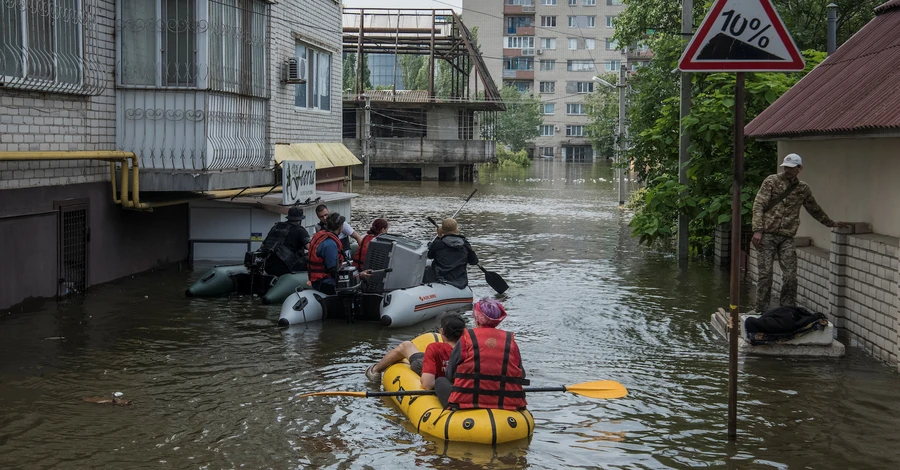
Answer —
552 48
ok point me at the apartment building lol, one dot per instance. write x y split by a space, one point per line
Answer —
119 120
551 48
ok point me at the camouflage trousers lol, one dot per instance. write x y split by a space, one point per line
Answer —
783 247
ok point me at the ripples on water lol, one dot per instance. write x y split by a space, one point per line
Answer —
215 383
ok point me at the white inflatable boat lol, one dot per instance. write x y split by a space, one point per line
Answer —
400 292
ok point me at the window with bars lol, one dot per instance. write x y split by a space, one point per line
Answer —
548 87
158 43
42 41
73 248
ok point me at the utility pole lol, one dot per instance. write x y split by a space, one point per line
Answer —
622 141
367 137
685 137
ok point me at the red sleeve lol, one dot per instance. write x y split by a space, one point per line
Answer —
431 362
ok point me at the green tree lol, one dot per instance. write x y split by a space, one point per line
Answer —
411 67
519 124
348 78
603 109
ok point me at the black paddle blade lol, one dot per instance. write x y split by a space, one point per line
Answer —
494 280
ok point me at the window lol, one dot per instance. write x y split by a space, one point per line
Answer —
515 2
590 3
573 44
547 130
549 108
549 64
611 45
548 21
518 42
590 44
521 87
613 2
40 46
575 131
518 63
582 21
548 2
575 108
548 43
546 151
579 87
548 87
316 92
237 46
610 22
578 152
579 65
613 65
573 3
159 43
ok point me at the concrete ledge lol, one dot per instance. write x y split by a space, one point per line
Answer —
192 180
719 321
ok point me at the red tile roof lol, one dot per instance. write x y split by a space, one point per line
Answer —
855 90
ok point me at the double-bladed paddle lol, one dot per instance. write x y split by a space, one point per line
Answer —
603 389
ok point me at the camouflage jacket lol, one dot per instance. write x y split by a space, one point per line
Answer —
784 218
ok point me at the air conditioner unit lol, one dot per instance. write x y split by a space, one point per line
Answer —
294 71
556 128
540 51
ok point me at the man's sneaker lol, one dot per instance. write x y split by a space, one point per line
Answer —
372 375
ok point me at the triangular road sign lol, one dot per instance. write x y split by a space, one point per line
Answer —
742 36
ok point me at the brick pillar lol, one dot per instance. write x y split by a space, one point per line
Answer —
722 244
837 278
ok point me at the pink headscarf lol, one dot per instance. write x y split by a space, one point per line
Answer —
489 312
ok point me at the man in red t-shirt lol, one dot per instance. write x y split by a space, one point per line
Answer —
430 364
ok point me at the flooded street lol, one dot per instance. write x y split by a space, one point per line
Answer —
215 382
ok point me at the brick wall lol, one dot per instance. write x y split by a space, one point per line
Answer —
317 23
38 121
855 283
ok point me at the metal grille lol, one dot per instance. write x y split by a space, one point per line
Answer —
73 250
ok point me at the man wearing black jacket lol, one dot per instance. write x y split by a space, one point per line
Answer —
451 252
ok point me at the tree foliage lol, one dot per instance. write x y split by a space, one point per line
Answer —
519 124
653 116
348 78
603 108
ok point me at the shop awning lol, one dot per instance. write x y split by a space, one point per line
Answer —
326 155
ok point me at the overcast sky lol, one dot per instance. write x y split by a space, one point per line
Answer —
427 4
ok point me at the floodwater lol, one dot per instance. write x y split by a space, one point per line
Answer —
215 382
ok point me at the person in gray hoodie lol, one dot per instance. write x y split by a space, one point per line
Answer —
451 252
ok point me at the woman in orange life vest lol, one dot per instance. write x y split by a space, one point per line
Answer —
325 256
485 368
379 226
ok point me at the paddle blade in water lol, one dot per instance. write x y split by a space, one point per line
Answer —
341 394
496 282
599 389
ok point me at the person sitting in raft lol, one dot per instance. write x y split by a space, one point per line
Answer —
325 255
379 227
286 245
485 367
450 252
344 235
430 364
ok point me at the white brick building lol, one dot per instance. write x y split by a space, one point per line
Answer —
194 89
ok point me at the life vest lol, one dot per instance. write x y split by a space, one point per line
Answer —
345 243
360 257
316 264
489 375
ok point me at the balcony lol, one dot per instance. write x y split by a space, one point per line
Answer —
518 9
417 150
512 52
528 52
519 74
520 31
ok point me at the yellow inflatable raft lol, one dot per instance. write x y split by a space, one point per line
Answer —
425 412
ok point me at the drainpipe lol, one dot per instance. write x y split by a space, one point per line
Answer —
832 28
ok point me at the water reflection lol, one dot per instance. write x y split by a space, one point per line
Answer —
216 384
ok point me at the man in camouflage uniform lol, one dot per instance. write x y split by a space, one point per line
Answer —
776 218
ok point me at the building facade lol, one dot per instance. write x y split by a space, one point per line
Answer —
553 49
115 115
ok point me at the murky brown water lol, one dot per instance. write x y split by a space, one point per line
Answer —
215 382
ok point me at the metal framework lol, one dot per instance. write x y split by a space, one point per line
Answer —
439 34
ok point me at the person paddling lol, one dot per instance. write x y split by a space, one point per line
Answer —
485 367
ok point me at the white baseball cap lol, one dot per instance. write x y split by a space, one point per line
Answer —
791 160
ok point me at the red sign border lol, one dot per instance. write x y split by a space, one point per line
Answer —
796 63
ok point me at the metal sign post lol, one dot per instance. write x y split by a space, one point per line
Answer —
739 36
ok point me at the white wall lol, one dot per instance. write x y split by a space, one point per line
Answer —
853 180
